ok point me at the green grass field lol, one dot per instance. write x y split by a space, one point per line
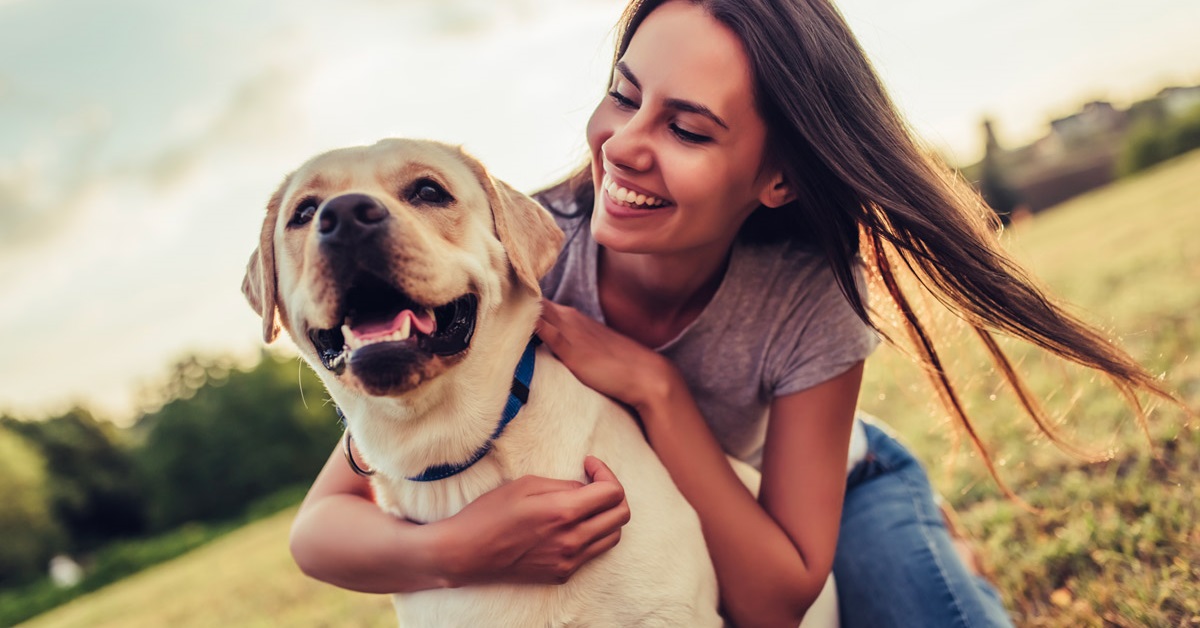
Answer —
1115 543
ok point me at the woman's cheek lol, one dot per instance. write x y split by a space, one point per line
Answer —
598 130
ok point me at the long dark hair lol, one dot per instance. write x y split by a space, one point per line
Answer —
866 190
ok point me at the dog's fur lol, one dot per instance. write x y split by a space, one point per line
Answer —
409 409
495 243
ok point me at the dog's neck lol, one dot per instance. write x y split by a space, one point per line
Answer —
458 413
518 396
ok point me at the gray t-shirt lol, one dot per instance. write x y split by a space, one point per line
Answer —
778 324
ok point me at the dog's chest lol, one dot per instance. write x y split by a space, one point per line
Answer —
426 502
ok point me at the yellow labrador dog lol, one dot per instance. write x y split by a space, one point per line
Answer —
408 278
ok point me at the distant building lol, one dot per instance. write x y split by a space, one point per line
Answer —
1178 100
1079 153
1096 120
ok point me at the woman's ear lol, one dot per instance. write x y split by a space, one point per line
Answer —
777 191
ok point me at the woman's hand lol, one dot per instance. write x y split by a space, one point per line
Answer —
535 530
603 359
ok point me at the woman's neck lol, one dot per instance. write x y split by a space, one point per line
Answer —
652 298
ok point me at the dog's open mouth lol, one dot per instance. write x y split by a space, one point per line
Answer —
379 316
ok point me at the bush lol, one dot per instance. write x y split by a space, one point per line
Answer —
1153 141
27 527
92 482
230 437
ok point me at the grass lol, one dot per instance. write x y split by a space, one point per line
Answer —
1115 543
245 578
123 558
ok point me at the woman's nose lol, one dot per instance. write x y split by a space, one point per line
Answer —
628 147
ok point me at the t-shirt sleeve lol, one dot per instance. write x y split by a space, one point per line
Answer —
820 338
560 209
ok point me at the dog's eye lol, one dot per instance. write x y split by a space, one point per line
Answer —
305 212
427 191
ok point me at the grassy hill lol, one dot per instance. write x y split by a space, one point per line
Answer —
245 578
1113 543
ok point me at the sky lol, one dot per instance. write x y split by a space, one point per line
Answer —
140 139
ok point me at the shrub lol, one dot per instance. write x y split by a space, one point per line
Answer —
27 527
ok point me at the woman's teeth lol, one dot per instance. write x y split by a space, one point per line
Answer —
629 197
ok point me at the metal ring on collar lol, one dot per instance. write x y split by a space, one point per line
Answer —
346 449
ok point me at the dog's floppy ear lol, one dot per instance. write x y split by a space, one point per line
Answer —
259 284
528 232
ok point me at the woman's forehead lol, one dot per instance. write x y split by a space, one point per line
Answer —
680 51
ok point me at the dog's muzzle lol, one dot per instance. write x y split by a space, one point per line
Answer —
382 329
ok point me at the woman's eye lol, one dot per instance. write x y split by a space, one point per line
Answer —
305 212
427 191
688 136
621 100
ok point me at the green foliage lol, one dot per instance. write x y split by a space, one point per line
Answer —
93 486
228 437
220 448
1154 140
124 558
27 527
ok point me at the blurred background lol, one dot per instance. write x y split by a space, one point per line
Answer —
140 416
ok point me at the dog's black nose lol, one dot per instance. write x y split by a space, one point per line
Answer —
348 218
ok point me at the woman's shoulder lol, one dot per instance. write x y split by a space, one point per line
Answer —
795 284
783 263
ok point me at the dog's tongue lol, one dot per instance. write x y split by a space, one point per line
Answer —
405 320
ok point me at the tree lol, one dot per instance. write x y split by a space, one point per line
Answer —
92 481
27 525
1156 139
227 437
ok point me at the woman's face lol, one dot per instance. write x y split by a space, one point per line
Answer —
677 146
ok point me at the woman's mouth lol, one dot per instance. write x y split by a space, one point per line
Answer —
631 198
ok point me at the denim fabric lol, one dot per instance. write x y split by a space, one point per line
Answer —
895 563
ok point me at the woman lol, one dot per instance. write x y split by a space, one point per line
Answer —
743 151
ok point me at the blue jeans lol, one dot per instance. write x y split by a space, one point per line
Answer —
895 563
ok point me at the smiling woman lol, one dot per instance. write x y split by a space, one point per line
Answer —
746 167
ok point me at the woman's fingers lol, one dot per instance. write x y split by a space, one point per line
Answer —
599 530
553 330
551 335
603 524
597 471
536 485
568 565
550 310
538 529
604 493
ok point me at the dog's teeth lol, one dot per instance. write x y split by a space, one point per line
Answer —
405 329
352 341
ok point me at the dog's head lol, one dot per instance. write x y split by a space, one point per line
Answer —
380 261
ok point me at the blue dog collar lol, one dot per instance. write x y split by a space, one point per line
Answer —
518 395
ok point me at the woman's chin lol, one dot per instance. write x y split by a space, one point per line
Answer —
614 235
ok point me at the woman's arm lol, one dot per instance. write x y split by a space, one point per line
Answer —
533 529
772 556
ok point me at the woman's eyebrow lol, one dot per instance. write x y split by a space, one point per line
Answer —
675 103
